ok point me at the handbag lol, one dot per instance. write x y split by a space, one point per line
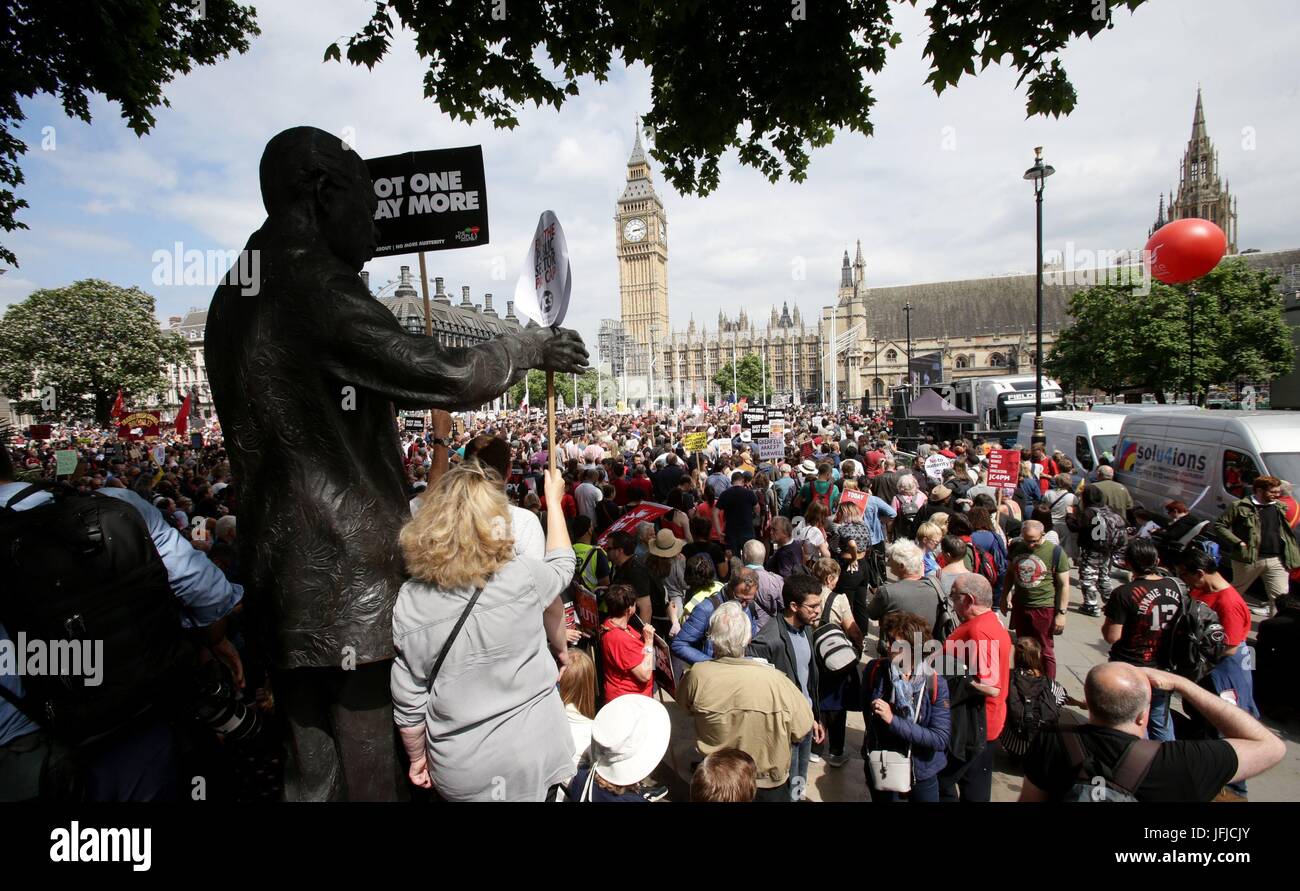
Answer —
892 771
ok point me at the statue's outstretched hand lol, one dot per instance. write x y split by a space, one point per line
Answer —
562 350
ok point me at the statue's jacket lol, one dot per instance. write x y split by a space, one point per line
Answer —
307 370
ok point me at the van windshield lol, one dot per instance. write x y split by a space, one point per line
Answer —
1284 466
1105 443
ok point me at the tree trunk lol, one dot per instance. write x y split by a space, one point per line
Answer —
103 406
1160 396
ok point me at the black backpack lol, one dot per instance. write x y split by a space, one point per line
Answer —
81 575
1031 707
1195 643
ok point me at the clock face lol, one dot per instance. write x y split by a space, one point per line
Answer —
634 230
663 231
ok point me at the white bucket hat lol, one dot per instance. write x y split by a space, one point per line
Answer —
629 738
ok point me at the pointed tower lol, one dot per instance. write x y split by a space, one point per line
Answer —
846 272
859 266
641 239
1160 217
1201 193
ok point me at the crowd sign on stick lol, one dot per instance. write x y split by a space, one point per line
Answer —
935 465
696 442
1004 468
429 201
645 512
542 294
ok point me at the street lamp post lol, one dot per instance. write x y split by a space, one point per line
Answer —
1038 174
907 309
875 348
735 388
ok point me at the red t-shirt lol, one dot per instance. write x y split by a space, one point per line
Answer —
620 491
622 650
642 485
992 651
1232 611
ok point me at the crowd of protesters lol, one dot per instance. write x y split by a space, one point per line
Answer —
769 598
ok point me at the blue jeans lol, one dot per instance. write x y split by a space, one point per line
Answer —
799 767
1159 725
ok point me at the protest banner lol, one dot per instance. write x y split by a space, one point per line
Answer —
588 610
1004 468
430 201
935 465
770 447
664 667
196 440
695 442
138 425
806 450
38 431
645 512
856 497
65 462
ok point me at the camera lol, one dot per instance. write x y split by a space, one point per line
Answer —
218 704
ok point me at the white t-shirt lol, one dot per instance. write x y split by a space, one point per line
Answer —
580 728
530 540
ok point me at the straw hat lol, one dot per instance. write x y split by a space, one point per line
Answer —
808 468
665 544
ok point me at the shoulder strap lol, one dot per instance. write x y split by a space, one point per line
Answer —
826 610
451 639
586 561
25 491
1135 764
1074 748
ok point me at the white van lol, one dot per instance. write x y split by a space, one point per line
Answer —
1079 435
1206 459
1145 408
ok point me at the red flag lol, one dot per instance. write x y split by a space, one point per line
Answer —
183 416
119 405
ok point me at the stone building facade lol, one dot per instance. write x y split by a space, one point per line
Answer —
1201 193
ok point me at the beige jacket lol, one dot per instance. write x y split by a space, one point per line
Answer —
748 704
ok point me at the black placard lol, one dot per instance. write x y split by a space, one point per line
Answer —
430 201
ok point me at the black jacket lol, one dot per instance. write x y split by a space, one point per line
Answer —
773 644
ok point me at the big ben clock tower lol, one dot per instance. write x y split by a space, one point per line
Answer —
641 233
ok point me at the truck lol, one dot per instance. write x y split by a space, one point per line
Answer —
998 402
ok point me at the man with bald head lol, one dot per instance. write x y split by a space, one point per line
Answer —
1080 763
307 372
1037 590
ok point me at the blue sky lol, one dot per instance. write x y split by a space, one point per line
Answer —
935 194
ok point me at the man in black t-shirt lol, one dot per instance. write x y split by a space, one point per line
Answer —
1119 700
1139 616
738 505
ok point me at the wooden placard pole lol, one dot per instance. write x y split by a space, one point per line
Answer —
550 420
428 330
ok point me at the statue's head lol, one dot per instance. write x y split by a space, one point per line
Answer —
312 174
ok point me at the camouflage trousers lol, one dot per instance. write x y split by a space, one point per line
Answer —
1094 577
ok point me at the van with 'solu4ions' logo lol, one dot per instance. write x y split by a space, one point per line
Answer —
1207 460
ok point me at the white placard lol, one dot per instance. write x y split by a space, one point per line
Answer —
542 291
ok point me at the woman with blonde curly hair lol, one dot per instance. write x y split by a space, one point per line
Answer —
479 632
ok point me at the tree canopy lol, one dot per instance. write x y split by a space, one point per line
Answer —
771 79
85 340
563 390
749 378
127 50
1120 340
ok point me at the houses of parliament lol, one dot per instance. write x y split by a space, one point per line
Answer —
978 326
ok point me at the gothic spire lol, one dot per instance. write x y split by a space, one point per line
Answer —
638 153
1198 119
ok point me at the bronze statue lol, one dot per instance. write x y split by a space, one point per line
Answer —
307 370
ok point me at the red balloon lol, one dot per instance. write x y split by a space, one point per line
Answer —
1186 250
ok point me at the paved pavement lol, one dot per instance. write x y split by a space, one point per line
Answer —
1080 648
